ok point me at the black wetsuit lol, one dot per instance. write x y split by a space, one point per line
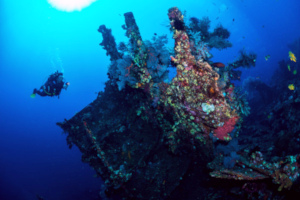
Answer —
52 87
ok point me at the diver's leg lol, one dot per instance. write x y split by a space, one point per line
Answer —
40 92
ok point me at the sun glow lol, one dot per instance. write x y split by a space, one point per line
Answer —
70 5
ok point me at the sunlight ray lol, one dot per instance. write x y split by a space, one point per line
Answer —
70 5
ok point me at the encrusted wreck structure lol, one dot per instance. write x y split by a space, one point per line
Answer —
150 138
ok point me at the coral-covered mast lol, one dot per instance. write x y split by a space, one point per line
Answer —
199 106
109 43
139 54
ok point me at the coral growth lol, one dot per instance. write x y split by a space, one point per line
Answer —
283 173
199 29
221 32
245 59
222 132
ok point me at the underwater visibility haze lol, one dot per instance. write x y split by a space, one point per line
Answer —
148 99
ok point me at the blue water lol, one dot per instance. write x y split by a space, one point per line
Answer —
37 40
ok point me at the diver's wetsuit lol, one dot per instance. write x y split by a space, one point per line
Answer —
52 87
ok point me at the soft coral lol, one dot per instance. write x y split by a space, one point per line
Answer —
222 132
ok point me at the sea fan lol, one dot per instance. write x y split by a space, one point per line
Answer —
158 58
124 66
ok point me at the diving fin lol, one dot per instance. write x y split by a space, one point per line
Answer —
32 95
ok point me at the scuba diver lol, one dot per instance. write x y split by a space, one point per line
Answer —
52 87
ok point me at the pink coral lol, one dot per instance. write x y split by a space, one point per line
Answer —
222 132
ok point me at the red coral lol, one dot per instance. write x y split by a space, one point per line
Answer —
128 68
222 132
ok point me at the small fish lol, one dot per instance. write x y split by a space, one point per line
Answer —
244 37
233 19
267 57
295 72
257 77
263 26
291 87
218 64
289 67
173 59
155 33
292 56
